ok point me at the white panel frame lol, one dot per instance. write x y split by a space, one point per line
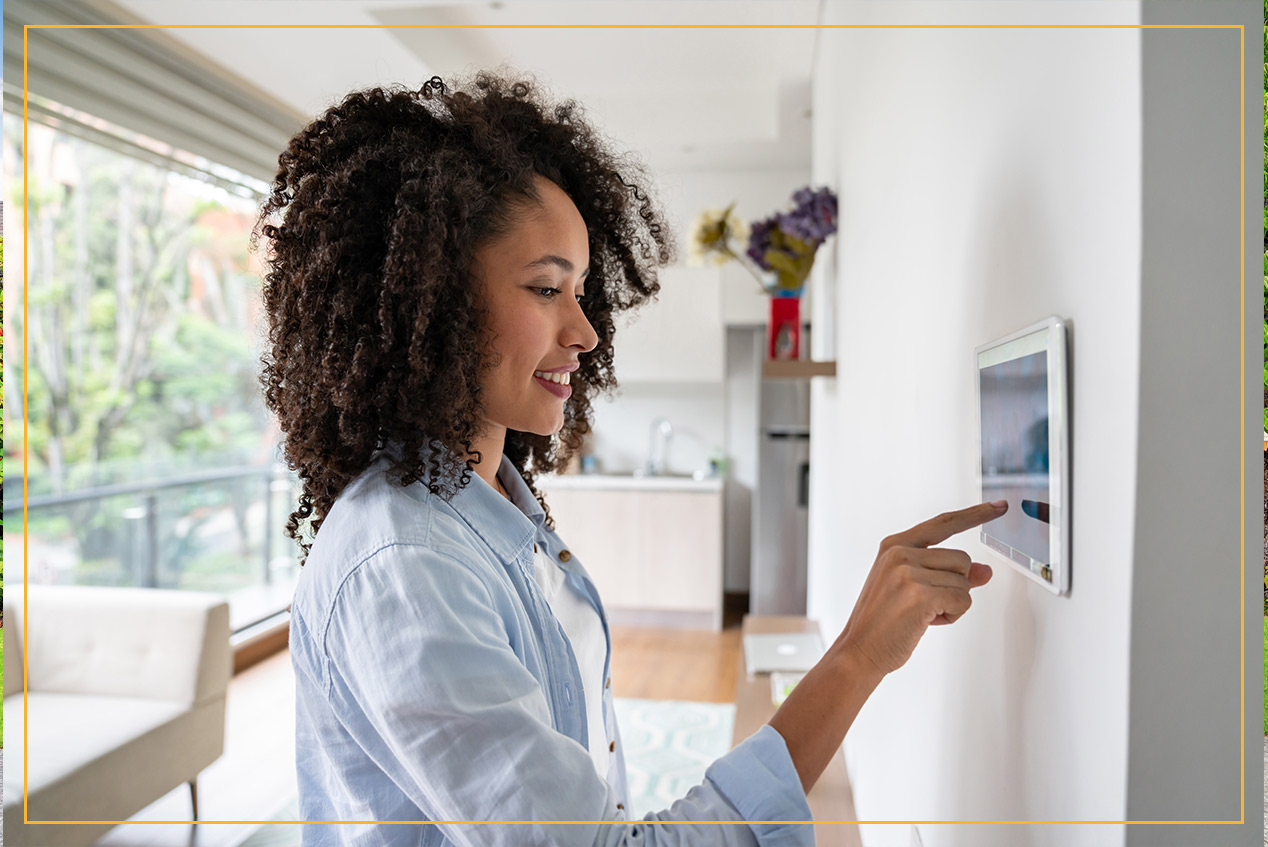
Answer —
1048 334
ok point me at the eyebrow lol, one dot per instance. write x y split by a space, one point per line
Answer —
557 261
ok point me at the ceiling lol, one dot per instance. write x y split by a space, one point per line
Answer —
685 99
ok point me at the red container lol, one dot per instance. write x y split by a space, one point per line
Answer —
785 327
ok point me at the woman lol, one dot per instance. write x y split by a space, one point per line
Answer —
445 265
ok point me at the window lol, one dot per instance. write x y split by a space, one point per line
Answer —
151 460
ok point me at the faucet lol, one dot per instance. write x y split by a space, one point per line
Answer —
658 447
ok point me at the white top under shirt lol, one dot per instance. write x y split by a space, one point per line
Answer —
585 632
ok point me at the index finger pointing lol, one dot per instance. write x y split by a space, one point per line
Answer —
939 529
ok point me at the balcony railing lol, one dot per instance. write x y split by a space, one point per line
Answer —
218 530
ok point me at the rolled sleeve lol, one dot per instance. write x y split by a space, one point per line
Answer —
759 779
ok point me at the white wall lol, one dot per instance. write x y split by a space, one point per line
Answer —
756 194
622 426
988 178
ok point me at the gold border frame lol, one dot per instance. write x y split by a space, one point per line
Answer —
1241 27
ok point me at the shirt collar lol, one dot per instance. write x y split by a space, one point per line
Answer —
507 527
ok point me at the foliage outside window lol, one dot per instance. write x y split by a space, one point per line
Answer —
1 418
142 329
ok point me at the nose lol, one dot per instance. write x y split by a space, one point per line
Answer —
578 332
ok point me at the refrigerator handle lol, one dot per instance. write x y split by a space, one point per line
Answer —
803 488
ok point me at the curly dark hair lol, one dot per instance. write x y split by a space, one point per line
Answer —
373 221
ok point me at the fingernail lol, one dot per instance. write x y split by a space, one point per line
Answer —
1000 504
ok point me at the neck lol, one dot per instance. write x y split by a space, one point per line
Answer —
490 444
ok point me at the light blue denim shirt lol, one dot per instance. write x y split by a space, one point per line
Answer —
433 683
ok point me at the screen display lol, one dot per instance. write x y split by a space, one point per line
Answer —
1013 382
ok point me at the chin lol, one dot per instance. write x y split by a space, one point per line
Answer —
543 428
551 430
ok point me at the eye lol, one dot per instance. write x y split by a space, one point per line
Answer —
550 293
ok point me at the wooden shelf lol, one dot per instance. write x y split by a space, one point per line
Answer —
796 368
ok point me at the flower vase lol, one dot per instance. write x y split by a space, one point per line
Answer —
785 327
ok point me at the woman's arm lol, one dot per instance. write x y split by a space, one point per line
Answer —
909 588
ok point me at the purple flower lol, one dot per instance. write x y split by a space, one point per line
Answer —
814 216
759 240
785 243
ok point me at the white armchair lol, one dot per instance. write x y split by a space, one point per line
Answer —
125 701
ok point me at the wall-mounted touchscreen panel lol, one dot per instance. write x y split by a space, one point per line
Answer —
1024 450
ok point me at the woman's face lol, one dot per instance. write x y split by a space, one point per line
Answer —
531 280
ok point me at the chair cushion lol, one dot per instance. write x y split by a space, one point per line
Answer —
124 642
71 731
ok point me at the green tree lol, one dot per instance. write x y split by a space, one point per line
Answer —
139 321
140 336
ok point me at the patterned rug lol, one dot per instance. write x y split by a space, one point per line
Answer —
668 746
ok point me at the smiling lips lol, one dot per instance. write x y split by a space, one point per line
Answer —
561 378
555 383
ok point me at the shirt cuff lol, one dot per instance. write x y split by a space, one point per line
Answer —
758 778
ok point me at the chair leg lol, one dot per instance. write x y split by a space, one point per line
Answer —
193 797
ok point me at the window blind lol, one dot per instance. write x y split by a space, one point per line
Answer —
144 81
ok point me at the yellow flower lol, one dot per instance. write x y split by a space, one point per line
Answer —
715 236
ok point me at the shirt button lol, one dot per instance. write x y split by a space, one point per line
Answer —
621 806
612 747
608 684
534 548
564 555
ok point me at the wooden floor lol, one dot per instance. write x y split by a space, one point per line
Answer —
249 782
660 664
256 774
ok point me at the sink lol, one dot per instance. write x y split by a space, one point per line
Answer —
641 473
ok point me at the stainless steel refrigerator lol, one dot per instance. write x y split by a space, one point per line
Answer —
777 581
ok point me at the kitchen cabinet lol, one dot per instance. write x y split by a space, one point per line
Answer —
653 551
744 303
677 338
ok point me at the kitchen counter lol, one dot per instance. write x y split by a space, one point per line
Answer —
626 482
652 545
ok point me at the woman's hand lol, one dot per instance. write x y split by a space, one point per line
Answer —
913 585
